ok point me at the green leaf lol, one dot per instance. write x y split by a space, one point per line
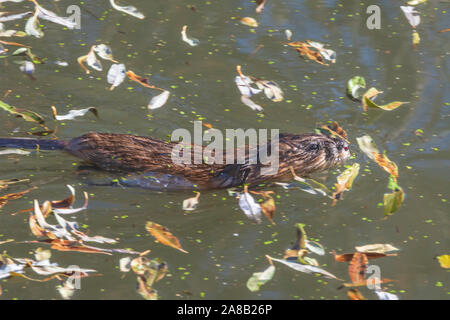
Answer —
25 114
393 201
353 85
387 107
260 278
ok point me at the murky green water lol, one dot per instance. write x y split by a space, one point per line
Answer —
224 247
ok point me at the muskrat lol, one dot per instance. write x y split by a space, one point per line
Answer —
125 153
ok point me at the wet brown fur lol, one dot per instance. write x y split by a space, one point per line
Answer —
306 153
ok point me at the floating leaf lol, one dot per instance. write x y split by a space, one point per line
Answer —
388 107
52 17
288 34
271 90
91 60
393 201
370 95
354 294
353 85
132 11
32 26
327 54
268 208
191 203
13 196
18 16
104 51
315 247
345 182
376 248
116 75
258 279
358 266
444 261
251 208
159 100
244 84
410 14
125 264
389 166
248 21
74 113
345 257
163 235
190 41
141 80
249 103
368 146
27 68
15 151
305 268
382 295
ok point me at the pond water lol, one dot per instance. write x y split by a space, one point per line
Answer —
225 248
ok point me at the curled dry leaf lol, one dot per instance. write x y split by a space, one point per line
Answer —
163 235
368 146
91 60
191 203
248 21
387 107
190 41
305 268
249 103
358 266
251 208
382 295
288 34
104 51
389 166
411 15
271 89
116 75
354 294
27 115
244 84
345 182
159 100
73 113
345 257
376 248
132 11
13 196
32 27
369 95
258 279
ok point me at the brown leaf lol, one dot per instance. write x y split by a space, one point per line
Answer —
13 196
163 235
345 257
388 165
354 294
358 266
141 80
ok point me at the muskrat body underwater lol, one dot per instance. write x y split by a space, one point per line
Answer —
129 154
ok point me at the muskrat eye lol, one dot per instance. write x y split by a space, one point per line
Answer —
312 147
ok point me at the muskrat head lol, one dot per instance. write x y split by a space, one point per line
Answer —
317 152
